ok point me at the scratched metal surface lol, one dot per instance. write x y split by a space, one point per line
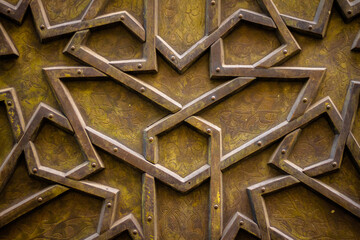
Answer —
158 119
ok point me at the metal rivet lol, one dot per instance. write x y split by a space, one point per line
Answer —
173 58
305 100
213 2
115 149
8 10
142 89
134 231
42 26
151 139
241 16
93 164
213 98
334 164
310 27
263 189
217 69
241 222
349 12
51 115
9 103
283 151
35 170
139 65
208 130
216 206
122 17
149 218
285 51
79 71
108 204
259 143
40 199
72 47
328 106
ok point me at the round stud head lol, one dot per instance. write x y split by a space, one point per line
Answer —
139 65
259 143
241 16
142 89
149 218
310 27
305 100
151 139
213 98
328 106
42 26
283 151
216 206
40 199
9 103
8 10
51 115
217 69
263 189
172 58
208 130
79 71
285 51
35 170
108 205
115 149
349 11
134 231
93 164
72 47
334 164
241 222
122 17
213 2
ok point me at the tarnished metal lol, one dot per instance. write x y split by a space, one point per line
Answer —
195 144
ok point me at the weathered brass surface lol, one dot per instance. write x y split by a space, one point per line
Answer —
186 119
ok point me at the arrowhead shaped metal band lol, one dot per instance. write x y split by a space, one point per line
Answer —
14 12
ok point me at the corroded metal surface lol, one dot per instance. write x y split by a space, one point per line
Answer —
161 119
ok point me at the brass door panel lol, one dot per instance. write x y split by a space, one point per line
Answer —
179 119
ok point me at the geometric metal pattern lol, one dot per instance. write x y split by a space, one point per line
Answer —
233 79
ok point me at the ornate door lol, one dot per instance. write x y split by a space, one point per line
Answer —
179 119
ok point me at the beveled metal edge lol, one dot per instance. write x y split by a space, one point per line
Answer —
349 9
69 107
47 31
282 129
138 161
280 160
149 61
288 48
216 189
165 124
182 62
318 26
237 222
85 54
258 205
30 202
356 44
14 113
149 209
16 12
11 49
